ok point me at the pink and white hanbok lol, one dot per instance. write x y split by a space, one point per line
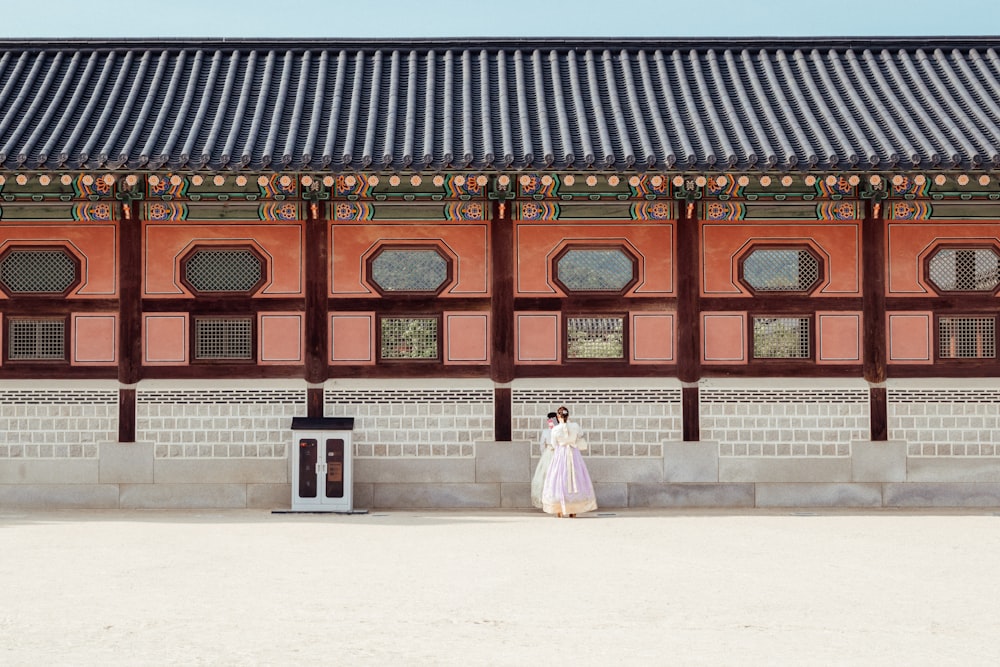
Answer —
568 489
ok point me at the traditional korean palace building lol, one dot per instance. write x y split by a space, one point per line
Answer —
759 272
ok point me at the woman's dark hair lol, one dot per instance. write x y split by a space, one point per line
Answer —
551 415
563 412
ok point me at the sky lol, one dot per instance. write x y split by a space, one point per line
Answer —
21 19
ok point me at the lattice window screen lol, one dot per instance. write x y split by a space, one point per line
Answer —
781 338
967 337
409 338
37 271
223 338
595 338
37 339
595 270
229 270
780 270
409 270
965 269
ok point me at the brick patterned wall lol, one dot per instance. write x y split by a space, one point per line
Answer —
56 423
218 423
784 422
414 421
946 422
616 421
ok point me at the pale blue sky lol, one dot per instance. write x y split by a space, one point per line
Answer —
25 19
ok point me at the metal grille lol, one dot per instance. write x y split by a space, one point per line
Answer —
781 338
37 339
223 270
596 270
595 338
967 337
965 269
409 270
409 338
37 271
218 338
780 270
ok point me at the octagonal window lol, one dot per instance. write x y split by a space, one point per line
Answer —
223 270
38 271
409 270
781 270
589 269
964 269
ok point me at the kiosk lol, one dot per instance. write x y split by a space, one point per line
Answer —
322 467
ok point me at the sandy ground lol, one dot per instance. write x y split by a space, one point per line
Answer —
499 588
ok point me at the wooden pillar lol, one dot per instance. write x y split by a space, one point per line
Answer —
874 315
502 315
687 262
317 266
129 316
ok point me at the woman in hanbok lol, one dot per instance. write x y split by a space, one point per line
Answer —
567 490
545 443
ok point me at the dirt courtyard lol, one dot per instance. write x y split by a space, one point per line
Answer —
499 588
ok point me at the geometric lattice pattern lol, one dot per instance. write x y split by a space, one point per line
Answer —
223 338
780 270
37 271
595 270
37 339
223 270
409 270
965 269
409 338
967 337
595 338
781 338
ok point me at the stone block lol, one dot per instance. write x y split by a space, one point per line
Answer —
611 495
363 496
515 495
779 469
964 469
873 461
690 495
610 469
819 495
415 471
183 496
126 462
436 496
922 494
49 471
691 461
269 496
59 496
503 461
220 471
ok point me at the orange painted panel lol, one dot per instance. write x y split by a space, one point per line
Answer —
467 338
724 338
652 337
537 338
95 341
280 340
839 338
911 340
281 243
838 243
165 339
352 338
908 243
467 244
95 245
535 245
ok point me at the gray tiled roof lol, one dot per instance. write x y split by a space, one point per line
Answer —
631 104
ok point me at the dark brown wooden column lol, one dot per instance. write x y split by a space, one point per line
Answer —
873 315
502 314
687 262
317 259
129 315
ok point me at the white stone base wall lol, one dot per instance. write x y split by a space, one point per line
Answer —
959 419
56 420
